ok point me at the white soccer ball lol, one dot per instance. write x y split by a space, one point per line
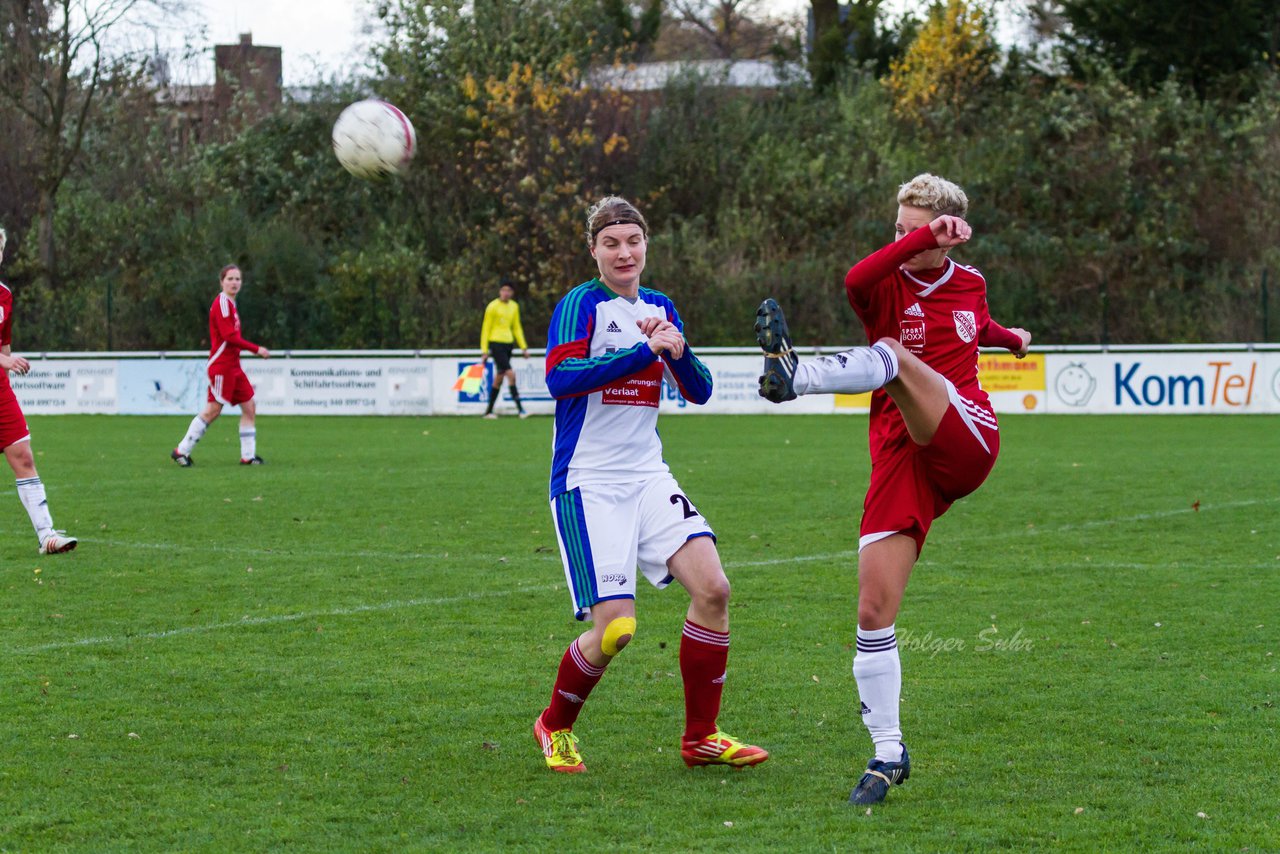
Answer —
373 138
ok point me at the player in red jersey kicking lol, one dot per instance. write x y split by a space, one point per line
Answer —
228 386
15 438
933 433
619 513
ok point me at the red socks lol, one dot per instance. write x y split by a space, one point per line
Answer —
703 656
574 681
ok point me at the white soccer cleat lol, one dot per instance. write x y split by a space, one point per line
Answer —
57 543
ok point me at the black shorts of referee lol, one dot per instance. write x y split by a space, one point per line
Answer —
501 355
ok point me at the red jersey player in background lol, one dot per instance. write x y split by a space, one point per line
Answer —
933 433
15 438
228 386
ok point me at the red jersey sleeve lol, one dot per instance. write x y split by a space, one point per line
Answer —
995 335
879 265
6 316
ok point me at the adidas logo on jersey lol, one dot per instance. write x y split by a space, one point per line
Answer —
613 327
914 310
866 710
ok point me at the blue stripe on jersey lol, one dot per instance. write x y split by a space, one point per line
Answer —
572 525
571 414
569 321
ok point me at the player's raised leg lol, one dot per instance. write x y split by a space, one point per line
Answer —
785 377
31 493
704 656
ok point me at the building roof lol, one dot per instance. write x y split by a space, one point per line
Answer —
740 73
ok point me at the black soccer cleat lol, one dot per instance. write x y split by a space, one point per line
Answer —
875 783
778 381
183 460
255 460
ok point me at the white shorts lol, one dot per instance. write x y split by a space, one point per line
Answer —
607 530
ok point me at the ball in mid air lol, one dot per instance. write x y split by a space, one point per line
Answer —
373 138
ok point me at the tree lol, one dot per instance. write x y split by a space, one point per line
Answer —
948 62
53 67
1212 47
854 33
727 29
633 34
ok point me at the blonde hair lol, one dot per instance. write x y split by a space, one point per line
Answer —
4 238
935 194
613 210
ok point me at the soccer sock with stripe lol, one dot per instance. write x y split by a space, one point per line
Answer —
703 656
31 492
493 397
855 371
878 672
248 443
194 432
574 681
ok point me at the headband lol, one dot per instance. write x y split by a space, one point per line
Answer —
601 228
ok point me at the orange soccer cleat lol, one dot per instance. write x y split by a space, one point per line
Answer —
720 748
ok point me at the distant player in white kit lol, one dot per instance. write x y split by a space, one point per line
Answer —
615 504
228 385
15 438
933 433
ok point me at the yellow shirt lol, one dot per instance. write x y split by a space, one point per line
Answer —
502 325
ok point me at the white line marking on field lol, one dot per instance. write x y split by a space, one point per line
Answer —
797 559
289 551
275 619
1147 517
418 603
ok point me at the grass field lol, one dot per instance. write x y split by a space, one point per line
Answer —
345 649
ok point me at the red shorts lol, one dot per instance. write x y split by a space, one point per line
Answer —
911 485
13 424
231 388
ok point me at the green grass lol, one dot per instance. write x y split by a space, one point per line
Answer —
345 649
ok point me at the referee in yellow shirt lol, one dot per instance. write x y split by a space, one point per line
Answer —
501 331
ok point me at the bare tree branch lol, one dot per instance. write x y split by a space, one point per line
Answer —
54 59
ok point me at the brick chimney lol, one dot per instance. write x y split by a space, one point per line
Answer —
247 76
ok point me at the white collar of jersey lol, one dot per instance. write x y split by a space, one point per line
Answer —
930 287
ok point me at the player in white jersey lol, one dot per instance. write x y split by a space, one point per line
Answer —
615 504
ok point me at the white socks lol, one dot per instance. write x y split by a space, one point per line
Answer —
855 371
248 439
878 672
194 432
31 491
248 443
